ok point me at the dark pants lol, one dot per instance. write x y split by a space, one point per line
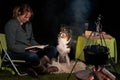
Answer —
34 58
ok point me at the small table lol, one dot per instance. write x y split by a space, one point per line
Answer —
83 41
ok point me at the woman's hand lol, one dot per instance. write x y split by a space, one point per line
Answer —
32 50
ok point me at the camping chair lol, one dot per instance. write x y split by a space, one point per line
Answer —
4 56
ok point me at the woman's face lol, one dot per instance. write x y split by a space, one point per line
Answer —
25 17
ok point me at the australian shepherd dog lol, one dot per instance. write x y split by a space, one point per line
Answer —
63 61
63 47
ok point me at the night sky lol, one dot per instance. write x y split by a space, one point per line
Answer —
49 14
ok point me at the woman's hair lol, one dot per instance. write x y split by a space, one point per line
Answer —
20 10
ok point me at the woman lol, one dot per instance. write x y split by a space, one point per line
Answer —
19 36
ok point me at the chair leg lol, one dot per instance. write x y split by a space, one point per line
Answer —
20 74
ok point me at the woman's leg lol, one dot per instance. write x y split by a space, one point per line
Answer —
29 57
50 52
32 61
47 54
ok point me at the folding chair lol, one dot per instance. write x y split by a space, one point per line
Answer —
6 57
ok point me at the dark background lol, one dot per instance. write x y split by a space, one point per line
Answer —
49 14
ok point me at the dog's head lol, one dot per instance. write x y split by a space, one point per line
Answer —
65 32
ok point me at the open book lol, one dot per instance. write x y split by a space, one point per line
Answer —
37 47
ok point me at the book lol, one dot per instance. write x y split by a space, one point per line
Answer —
36 47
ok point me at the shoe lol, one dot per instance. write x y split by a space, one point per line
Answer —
51 69
32 72
41 69
45 60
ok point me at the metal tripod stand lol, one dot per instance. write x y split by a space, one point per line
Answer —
102 39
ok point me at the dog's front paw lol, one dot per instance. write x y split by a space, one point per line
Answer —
62 59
